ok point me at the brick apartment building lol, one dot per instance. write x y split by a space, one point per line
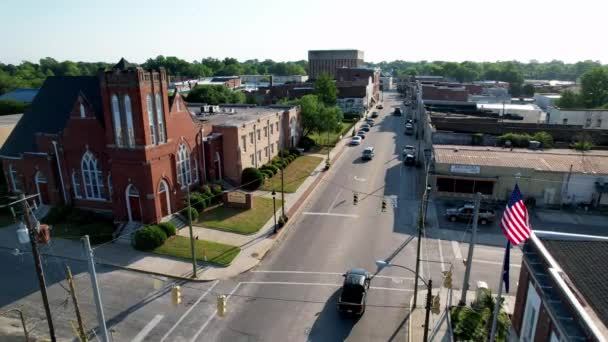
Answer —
562 293
115 142
329 61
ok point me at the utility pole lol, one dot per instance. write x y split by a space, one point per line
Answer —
282 190
193 252
429 297
38 264
98 303
467 273
421 220
83 336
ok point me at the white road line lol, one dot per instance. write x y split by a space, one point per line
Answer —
329 214
324 273
456 249
214 314
146 330
334 201
441 255
391 289
494 262
188 311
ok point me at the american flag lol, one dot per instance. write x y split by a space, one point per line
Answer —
515 223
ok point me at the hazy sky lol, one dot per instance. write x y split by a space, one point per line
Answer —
454 30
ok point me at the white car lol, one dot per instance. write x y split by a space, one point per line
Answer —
356 140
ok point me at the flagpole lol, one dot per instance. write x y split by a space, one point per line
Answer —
499 297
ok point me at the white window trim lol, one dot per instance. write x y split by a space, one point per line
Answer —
93 190
160 118
82 111
532 303
14 178
76 187
184 167
117 121
129 120
151 123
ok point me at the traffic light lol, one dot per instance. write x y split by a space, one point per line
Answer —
383 205
435 307
221 305
355 198
447 280
176 294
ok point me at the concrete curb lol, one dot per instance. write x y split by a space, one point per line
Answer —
409 329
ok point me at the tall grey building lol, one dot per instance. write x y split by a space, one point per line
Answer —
320 61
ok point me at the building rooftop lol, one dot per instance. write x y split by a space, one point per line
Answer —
508 106
243 114
581 262
553 160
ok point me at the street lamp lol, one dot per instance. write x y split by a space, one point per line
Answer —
274 210
429 285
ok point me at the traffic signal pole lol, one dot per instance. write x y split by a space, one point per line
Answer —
467 273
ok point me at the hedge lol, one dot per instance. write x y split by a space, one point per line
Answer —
216 189
267 173
306 143
206 190
193 212
168 228
295 151
523 140
251 178
197 201
149 237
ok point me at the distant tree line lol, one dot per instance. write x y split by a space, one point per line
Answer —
593 91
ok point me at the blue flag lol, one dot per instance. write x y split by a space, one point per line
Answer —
506 262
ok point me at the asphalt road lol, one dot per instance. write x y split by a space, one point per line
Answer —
291 295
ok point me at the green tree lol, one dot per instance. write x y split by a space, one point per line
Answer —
309 113
594 87
215 94
10 106
569 99
325 89
528 90
330 119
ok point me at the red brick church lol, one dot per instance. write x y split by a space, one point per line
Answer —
115 142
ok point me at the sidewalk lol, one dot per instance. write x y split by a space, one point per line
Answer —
253 247
439 324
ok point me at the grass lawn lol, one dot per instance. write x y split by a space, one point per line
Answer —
241 221
295 174
321 138
217 253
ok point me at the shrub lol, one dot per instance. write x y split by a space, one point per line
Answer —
283 153
517 140
168 228
56 214
251 178
545 139
306 143
149 237
206 190
272 168
193 213
279 164
283 220
267 173
216 189
197 201
295 151
477 139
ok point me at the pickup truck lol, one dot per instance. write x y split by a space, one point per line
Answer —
353 293
465 213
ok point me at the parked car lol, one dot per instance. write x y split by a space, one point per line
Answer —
409 159
356 140
379 106
410 121
361 134
353 294
465 213
369 122
397 111
368 153
365 127
409 129
409 155
374 114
